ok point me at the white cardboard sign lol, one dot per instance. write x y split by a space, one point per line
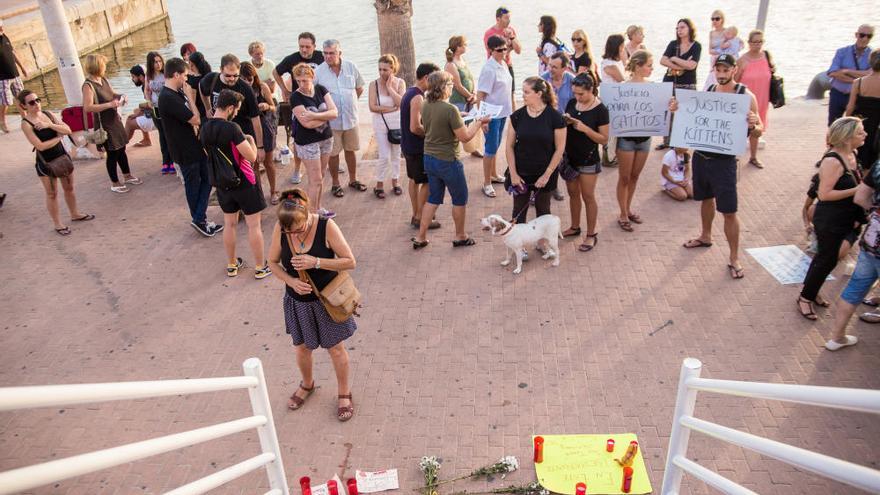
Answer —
713 122
378 481
637 109
787 263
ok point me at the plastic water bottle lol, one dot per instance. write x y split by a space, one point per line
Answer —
285 155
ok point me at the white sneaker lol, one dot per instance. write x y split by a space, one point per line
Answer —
761 143
295 179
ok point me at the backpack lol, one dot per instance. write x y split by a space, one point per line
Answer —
222 170
739 89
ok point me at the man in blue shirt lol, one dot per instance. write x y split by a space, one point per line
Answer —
849 64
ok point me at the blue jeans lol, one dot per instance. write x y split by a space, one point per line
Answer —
494 136
197 188
837 101
864 275
444 175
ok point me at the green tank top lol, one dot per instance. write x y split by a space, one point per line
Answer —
467 80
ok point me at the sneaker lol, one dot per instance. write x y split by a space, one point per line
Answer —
202 228
120 189
261 273
166 169
324 212
232 270
214 228
295 179
557 195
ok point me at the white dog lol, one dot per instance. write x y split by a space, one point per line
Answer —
519 237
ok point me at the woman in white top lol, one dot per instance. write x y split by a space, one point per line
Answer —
385 94
153 84
716 37
612 60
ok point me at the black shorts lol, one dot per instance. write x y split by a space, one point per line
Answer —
415 168
246 198
715 177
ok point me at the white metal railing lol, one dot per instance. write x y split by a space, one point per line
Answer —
684 422
26 478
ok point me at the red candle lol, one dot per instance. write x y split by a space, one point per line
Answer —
352 486
332 488
627 479
635 446
609 445
580 489
539 449
305 483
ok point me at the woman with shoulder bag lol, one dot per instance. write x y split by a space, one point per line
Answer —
45 132
385 95
308 252
110 136
836 218
755 69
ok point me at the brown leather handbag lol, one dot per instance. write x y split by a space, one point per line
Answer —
340 297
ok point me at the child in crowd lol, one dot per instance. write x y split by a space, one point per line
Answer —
675 174
732 44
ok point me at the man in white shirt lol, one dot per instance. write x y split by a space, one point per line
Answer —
494 86
344 82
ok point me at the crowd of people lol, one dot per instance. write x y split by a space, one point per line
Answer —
206 118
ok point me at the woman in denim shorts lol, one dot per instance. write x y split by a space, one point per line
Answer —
313 109
632 151
444 130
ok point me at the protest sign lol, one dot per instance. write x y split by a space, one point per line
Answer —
485 109
637 109
713 122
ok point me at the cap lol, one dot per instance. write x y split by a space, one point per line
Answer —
136 70
726 59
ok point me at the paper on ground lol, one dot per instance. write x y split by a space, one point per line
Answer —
484 110
571 459
323 490
788 264
378 481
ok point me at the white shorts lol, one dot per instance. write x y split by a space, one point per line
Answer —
145 123
313 151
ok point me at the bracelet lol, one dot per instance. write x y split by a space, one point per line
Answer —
259 147
317 263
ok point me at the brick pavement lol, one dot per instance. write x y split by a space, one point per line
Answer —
454 357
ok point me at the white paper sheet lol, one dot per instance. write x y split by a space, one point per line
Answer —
788 264
378 481
485 109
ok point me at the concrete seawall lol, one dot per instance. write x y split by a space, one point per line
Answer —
94 24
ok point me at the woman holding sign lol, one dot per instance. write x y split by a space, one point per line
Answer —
632 151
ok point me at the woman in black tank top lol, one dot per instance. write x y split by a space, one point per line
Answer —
836 216
45 132
303 241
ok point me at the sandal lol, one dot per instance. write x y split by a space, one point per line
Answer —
142 143
273 199
489 191
571 232
464 242
696 243
634 218
397 190
756 162
63 231
379 193
626 226
120 189
356 185
417 244
344 413
809 314
297 402
735 273
134 180
84 218
822 302
584 247
337 191
871 301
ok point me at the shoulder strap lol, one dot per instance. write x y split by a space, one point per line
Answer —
740 89
711 88
770 62
50 116
213 87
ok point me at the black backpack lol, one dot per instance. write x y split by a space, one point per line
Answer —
222 170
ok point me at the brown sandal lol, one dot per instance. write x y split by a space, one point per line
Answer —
296 402
344 413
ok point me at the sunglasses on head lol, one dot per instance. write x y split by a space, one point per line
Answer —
716 18
33 102
865 35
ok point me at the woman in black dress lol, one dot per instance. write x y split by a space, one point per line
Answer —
680 59
268 120
303 241
45 131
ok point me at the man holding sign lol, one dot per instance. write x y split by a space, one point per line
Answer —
716 127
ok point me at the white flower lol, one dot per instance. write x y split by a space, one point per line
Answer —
429 463
510 463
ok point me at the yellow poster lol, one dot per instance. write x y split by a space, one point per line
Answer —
572 459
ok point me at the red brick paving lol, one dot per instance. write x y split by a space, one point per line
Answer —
455 356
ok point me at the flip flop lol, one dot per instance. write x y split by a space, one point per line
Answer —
635 218
756 162
571 232
417 244
735 273
869 301
63 231
464 242
696 243
84 218
625 226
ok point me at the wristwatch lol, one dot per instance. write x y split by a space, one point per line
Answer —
317 263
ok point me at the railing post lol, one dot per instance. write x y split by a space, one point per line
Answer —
678 438
268 438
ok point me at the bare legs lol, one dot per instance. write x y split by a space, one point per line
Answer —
339 357
731 229
51 189
315 175
418 196
255 237
631 164
428 211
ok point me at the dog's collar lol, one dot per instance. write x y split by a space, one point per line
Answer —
507 230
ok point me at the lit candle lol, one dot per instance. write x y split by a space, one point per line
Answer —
609 445
539 450
627 479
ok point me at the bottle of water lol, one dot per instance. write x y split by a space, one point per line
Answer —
285 155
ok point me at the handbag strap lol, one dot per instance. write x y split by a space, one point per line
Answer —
303 274
96 102
377 104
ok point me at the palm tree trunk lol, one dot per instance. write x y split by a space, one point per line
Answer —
395 35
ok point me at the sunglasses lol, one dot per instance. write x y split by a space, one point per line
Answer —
716 18
576 39
500 50
865 35
33 102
